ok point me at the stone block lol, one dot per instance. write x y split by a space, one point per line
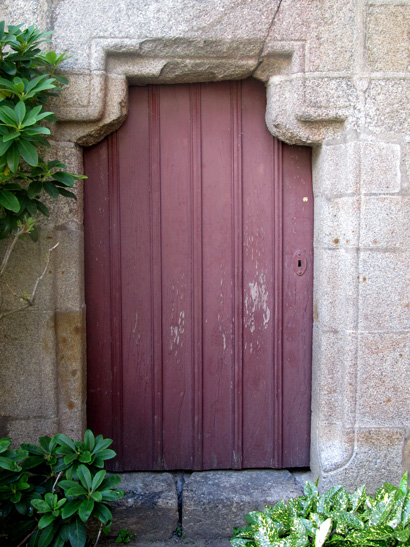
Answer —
377 459
27 366
326 26
149 507
384 291
387 38
379 167
336 280
336 169
337 221
330 92
216 501
334 382
71 375
28 429
221 20
68 266
383 381
387 107
385 222
335 446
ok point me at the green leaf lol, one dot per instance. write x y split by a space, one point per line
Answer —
45 521
8 464
77 534
106 454
28 152
9 201
85 457
63 440
46 536
403 483
46 443
85 476
75 491
67 180
112 495
70 508
85 510
97 496
66 193
97 479
13 157
20 109
51 190
32 449
8 116
102 513
4 444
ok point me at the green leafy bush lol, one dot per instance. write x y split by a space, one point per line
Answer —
335 518
50 491
27 81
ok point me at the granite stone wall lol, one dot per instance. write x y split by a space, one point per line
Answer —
337 78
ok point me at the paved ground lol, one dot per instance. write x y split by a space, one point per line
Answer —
205 506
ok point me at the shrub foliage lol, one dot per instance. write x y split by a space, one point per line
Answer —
27 81
50 491
335 518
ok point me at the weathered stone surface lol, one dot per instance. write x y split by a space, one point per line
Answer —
27 378
328 45
334 377
385 222
216 501
149 508
387 38
336 169
388 105
374 461
380 167
336 268
338 219
384 292
71 379
383 392
146 20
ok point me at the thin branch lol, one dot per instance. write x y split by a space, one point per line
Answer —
29 300
23 542
99 534
56 481
9 250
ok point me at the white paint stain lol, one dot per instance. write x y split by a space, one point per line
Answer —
224 339
134 330
257 301
177 331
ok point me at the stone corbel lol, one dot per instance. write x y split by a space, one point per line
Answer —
294 111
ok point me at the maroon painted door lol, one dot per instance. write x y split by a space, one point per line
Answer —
198 248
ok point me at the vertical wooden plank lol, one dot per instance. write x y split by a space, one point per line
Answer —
258 280
136 283
176 241
98 290
237 274
156 274
297 294
278 392
116 298
218 268
196 208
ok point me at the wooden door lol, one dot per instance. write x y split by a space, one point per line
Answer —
198 245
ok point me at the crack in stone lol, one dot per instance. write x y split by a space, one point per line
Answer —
267 34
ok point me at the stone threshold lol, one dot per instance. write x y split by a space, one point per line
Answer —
196 509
